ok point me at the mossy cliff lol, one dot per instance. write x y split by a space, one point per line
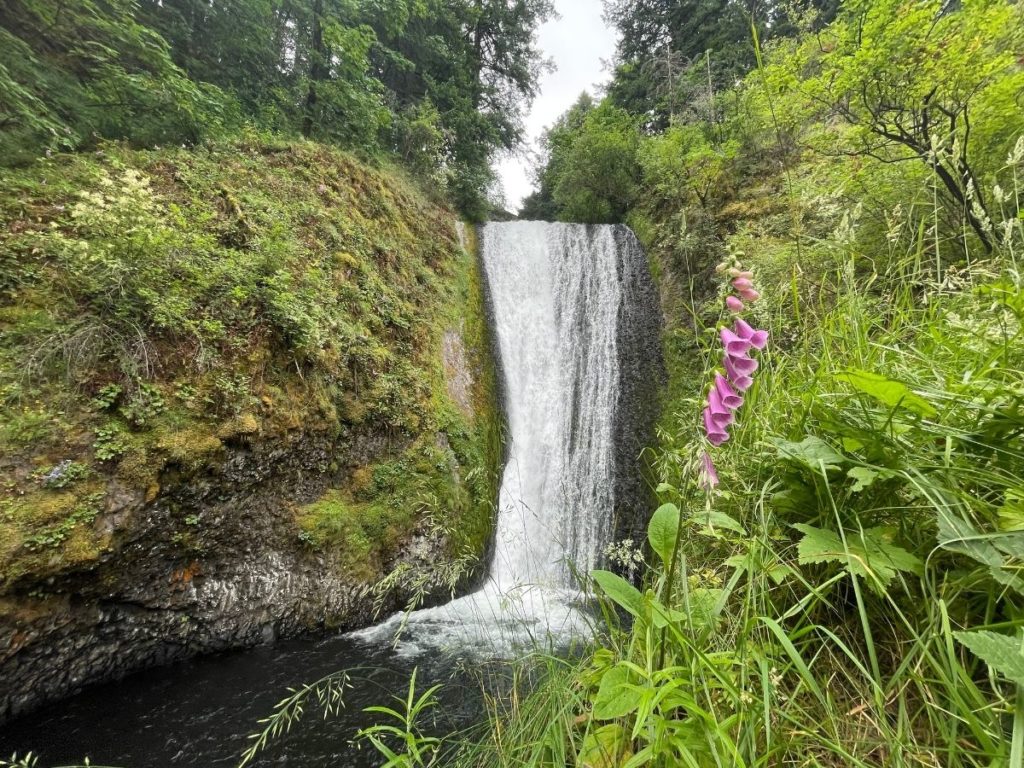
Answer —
245 391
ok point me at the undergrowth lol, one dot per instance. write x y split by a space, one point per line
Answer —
159 307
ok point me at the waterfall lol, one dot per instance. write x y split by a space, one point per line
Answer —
555 292
575 322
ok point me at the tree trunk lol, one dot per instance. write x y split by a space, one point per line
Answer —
318 69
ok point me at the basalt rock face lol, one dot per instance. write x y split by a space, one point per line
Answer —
236 574
641 377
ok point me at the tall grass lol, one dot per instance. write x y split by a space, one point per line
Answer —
835 597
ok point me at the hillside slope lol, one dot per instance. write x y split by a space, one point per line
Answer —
239 387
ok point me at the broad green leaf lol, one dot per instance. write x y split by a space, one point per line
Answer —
779 572
894 394
1010 543
662 531
662 616
866 554
715 519
702 606
1008 579
1011 513
812 452
604 747
616 696
862 478
620 591
1001 652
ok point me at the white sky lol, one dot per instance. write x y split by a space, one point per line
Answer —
577 43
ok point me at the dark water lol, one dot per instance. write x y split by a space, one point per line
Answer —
200 712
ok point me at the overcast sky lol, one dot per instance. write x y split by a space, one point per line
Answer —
577 43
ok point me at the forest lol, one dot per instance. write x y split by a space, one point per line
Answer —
225 228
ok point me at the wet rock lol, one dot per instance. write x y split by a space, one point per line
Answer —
198 565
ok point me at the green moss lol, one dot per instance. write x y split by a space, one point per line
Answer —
260 293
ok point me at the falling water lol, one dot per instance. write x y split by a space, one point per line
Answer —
574 318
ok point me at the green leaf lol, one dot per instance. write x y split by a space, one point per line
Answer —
957 535
894 394
603 747
616 696
1001 652
716 519
1008 579
811 452
865 554
862 478
620 591
662 531
1011 513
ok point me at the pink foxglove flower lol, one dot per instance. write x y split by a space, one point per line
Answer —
716 435
733 344
749 295
740 381
757 338
710 477
742 364
721 415
726 393
742 284
734 304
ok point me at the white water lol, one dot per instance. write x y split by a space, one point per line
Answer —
556 296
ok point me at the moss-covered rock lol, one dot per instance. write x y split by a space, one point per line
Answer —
239 386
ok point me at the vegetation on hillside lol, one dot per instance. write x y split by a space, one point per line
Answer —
159 305
439 86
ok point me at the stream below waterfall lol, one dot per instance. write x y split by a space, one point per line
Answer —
575 321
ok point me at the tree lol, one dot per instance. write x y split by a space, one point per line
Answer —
72 71
595 171
908 77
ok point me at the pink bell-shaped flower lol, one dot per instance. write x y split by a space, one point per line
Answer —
742 364
734 304
721 415
749 295
733 344
709 476
737 378
716 435
742 283
726 394
757 338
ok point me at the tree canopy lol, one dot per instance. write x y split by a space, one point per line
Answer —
440 85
